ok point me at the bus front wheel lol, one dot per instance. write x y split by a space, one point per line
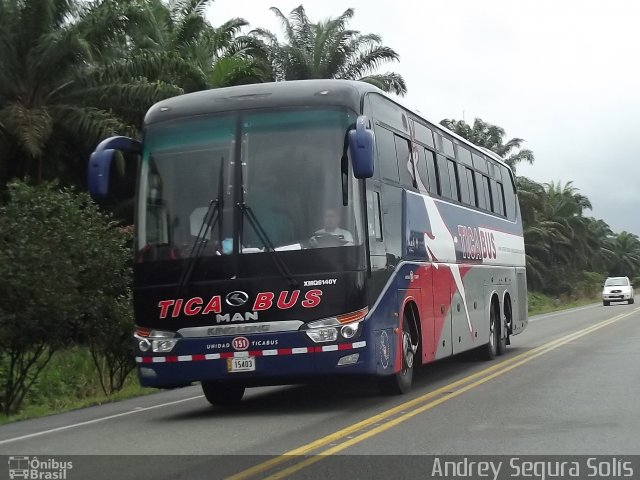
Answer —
222 394
400 382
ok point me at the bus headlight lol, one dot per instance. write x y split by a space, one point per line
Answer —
158 341
320 335
163 346
349 331
144 345
343 327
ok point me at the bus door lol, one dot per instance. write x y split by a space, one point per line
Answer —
376 241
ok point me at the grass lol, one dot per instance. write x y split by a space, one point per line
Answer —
70 403
70 381
540 303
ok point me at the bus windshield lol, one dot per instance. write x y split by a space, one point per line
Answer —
291 181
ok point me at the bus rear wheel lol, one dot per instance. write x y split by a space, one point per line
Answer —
400 382
503 333
223 394
490 350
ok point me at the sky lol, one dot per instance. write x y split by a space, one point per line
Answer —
564 75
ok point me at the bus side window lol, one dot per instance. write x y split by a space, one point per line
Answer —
473 195
421 169
465 195
497 197
424 134
444 145
432 171
453 178
373 215
443 177
386 147
501 197
405 164
482 199
509 196
487 193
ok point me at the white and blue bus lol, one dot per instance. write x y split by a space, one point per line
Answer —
298 230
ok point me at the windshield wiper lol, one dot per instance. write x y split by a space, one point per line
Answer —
212 217
262 235
268 244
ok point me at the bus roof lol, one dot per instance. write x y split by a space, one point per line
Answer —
345 93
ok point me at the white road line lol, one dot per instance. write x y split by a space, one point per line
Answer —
89 422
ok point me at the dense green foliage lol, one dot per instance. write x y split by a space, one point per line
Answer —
64 276
57 100
568 252
75 72
492 137
327 49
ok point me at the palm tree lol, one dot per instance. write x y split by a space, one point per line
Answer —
564 205
328 49
236 59
598 236
538 233
491 137
561 243
151 35
531 199
178 36
626 258
54 101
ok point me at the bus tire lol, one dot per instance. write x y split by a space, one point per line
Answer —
489 351
223 394
399 383
503 333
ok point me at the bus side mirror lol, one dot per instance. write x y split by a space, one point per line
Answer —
101 163
361 143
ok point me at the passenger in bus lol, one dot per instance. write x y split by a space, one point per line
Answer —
331 234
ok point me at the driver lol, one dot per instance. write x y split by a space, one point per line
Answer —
331 222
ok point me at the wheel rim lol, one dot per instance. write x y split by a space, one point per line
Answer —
407 352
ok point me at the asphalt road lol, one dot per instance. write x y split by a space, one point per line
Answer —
570 384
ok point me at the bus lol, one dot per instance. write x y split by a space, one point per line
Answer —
299 230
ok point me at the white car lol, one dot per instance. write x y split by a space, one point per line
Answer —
617 289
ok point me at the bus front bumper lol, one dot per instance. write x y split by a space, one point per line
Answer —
268 360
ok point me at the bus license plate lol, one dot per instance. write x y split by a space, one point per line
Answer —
245 364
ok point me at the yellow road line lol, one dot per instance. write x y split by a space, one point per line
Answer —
395 421
483 376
